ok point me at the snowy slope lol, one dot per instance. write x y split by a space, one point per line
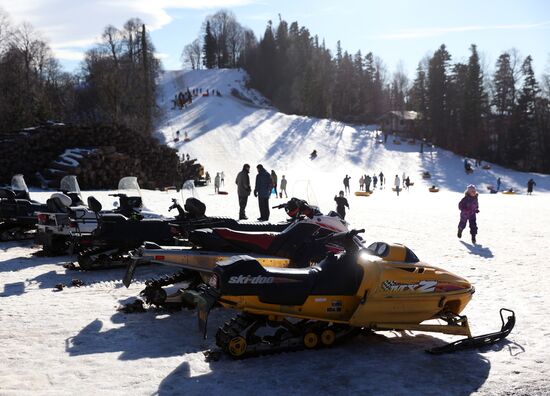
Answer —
226 132
74 341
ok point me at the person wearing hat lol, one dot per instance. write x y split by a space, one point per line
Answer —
469 207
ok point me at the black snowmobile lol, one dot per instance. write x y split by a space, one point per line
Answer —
64 228
17 211
116 235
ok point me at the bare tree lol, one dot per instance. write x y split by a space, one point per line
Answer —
5 31
545 80
399 87
192 54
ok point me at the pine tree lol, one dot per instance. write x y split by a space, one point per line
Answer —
523 138
438 109
475 106
209 48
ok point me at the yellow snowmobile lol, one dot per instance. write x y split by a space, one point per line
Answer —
382 287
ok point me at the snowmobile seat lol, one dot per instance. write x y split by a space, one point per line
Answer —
243 275
94 204
22 194
56 205
337 276
195 208
7 194
246 239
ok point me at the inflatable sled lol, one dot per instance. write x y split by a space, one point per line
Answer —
510 192
486 167
223 192
362 193
426 175
433 189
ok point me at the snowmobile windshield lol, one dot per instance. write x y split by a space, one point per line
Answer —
70 184
129 186
18 183
188 190
302 189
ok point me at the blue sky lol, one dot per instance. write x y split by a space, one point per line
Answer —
396 31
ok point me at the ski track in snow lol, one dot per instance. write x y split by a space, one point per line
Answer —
75 340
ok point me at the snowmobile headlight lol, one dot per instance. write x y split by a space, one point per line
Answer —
214 281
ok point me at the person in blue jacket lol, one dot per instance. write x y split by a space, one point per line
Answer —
262 190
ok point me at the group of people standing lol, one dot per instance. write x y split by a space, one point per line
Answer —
182 98
264 187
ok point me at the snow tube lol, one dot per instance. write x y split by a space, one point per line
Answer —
486 167
509 192
362 193
223 192
433 189
426 175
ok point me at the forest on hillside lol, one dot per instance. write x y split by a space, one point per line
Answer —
501 116
115 84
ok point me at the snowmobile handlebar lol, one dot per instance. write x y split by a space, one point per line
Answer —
296 207
347 237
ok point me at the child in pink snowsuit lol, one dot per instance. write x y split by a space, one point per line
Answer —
468 208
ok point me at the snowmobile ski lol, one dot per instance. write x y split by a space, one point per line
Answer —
481 340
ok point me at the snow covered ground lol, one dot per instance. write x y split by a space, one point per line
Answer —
75 341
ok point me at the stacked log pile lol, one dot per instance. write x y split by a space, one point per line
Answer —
99 155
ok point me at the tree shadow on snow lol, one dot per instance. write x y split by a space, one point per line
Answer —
478 250
370 364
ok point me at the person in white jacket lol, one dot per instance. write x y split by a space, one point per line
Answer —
397 184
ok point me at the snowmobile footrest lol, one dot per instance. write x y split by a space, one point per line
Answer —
481 340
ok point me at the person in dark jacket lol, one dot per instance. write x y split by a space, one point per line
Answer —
469 207
346 184
341 204
530 184
262 190
243 190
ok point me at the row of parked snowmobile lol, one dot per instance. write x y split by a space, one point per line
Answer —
306 283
